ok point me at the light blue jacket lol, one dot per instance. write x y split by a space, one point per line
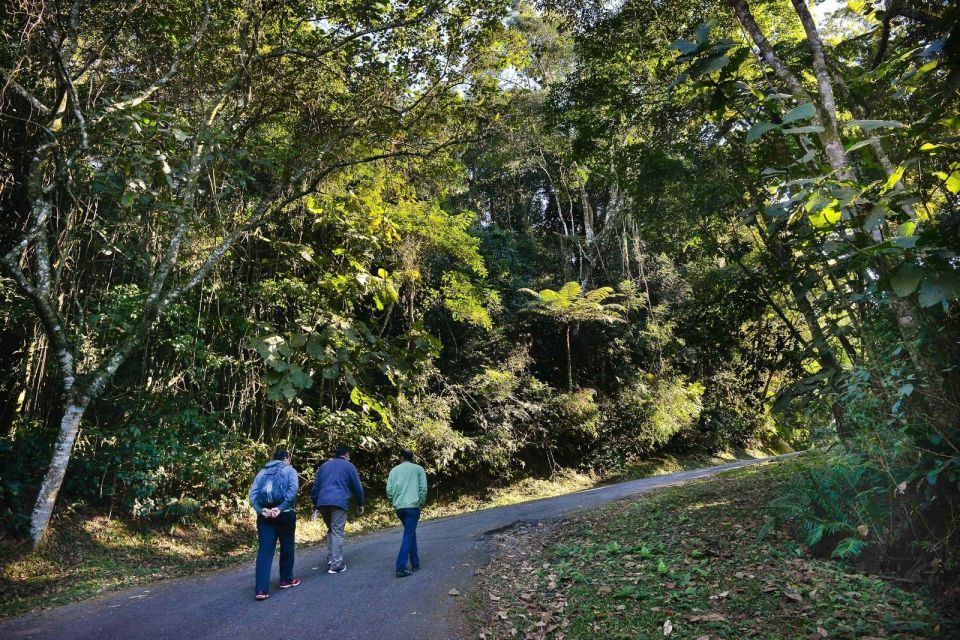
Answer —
288 483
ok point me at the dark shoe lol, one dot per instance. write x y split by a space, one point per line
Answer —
415 569
286 584
262 595
339 569
404 573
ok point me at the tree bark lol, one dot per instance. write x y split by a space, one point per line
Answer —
47 498
832 144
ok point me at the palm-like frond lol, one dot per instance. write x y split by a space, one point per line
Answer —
572 304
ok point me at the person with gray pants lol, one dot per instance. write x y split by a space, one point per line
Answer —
337 479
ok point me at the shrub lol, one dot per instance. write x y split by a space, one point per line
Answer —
645 415
834 504
731 416
165 464
423 425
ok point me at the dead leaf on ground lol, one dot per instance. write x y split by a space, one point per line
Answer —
796 597
453 592
667 627
604 590
709 617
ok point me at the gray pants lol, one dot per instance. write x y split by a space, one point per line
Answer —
336 520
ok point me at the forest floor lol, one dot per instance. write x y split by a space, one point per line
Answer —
686 562
89 554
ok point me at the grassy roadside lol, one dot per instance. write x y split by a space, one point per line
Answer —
89 554
685 562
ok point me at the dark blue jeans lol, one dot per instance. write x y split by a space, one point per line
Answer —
408 548
269 530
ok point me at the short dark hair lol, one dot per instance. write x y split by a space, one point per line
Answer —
281 454
341 451
406 454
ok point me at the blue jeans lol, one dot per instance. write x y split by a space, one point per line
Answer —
408 548
269 530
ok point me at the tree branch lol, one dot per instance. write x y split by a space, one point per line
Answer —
165 78
746 19
35 104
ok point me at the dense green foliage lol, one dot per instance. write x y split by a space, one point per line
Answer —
513 238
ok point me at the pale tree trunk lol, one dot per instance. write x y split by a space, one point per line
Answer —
47 497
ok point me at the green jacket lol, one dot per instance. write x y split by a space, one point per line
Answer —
407 486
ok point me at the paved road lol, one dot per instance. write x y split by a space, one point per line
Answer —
366 602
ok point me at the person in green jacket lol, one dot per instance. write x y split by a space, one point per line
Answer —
407 490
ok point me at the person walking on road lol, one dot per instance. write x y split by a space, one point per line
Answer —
407 490
272 495
336 480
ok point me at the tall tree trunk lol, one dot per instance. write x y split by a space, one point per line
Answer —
47 498
569 362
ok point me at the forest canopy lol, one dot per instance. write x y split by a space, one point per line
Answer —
514 237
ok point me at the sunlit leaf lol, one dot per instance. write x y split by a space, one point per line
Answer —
894 178
953 182
803 112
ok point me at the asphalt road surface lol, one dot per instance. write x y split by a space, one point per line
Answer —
366 602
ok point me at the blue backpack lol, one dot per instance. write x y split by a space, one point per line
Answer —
269 490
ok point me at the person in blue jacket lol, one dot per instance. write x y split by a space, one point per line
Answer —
336 480
272 495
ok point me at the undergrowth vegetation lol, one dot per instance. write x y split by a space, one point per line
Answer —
703 560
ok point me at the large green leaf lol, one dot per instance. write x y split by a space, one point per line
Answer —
939 289
861 144
875 218
953 182
803 112
759 129
894 178
684 46
703 32
708 66
870 125
810 128
906 279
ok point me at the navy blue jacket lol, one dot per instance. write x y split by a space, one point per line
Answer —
336 480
